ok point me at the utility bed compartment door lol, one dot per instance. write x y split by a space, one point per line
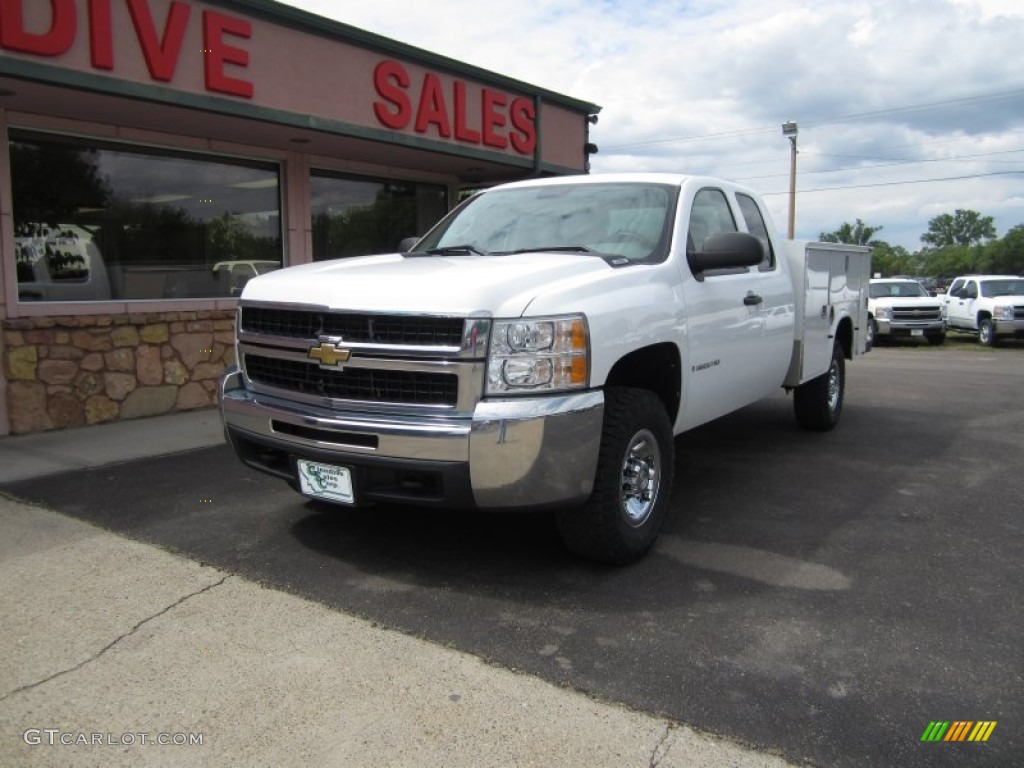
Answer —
830 283
817 347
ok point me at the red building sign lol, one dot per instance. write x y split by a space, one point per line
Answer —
159 39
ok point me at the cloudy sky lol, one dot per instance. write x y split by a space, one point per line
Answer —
907 109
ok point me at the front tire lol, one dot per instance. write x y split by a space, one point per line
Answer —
987 332
818 403
623 516
937 339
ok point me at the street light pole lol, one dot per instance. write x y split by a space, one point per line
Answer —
789 130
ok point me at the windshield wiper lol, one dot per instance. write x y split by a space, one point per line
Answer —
542 249
454 250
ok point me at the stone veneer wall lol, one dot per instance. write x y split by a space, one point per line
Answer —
88 369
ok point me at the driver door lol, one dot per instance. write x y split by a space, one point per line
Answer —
726 314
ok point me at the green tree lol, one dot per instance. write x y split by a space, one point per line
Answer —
1006 255
963 228
888 260
952 260
853 234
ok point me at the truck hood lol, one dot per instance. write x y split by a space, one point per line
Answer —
905 301
1008 298
498 286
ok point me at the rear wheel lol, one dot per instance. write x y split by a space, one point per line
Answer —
621 519
818 403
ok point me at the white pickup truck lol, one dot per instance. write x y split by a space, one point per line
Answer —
991 306
902 308
541 347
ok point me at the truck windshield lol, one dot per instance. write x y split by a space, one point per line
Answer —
630 221
896 290
993 288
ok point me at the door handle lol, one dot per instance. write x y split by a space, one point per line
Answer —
752 300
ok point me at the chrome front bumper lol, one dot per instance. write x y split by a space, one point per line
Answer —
1013 327
907 327
512 453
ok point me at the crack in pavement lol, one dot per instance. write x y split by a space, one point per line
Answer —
115 641
655 757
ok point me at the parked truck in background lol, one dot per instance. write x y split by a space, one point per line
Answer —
541 347
991 306
902 308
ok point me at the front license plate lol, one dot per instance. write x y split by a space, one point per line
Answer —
917 332
325 481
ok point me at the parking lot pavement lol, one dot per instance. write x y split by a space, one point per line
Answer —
119 653
820 597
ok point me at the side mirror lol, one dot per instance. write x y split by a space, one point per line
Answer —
407 243
726 250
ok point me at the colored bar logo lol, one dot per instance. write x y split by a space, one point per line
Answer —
958 730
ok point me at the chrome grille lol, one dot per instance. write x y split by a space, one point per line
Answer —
363 384
916 313
354 327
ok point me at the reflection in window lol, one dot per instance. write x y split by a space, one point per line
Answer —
710 216
628 220
355 217
96 221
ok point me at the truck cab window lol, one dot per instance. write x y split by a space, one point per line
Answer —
755 225
710 215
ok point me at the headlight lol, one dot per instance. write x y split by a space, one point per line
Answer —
883 313
546 354
1003 313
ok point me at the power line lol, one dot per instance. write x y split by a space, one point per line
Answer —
892 164
895 183
916 145
921 107
828 121
884 161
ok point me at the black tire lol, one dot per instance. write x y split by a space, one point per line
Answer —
635 467
877 339
818 403
937 339
871 337
987 332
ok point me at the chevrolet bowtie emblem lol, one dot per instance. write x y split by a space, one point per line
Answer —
329 354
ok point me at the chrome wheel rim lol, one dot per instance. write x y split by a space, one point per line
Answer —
834 387
640 478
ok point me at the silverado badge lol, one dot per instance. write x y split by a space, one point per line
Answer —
329 354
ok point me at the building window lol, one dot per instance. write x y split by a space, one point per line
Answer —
95 221
358 216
